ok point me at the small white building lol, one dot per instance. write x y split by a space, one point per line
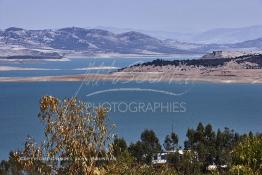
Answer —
161 158
212 167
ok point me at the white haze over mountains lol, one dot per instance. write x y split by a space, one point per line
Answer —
213 36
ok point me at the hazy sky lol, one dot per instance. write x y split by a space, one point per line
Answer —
165 15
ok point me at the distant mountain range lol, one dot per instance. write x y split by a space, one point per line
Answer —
51 43
229 35
85 40
217 36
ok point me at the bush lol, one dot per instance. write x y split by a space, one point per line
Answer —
247 156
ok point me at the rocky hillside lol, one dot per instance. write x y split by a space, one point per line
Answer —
88 40
55 43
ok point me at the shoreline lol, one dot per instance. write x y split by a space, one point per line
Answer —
131 56
132 77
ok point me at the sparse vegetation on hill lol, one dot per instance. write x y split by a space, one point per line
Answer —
255 59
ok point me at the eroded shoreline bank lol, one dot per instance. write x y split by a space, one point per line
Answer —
142 76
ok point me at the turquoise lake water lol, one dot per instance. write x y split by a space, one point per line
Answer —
71 66
237 106
183 104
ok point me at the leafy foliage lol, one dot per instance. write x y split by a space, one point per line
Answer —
73 134
247 156
127 165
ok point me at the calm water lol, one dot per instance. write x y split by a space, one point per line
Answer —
237 106
72 66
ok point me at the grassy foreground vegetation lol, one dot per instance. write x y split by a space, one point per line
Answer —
79 140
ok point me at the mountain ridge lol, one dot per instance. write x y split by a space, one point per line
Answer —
99 41
80 39
216 35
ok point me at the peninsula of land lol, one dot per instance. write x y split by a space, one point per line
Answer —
246 68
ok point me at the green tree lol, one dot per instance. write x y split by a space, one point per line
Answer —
211 147
150 144
197 142
119 146
137 151
171 142
144 149
225 141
